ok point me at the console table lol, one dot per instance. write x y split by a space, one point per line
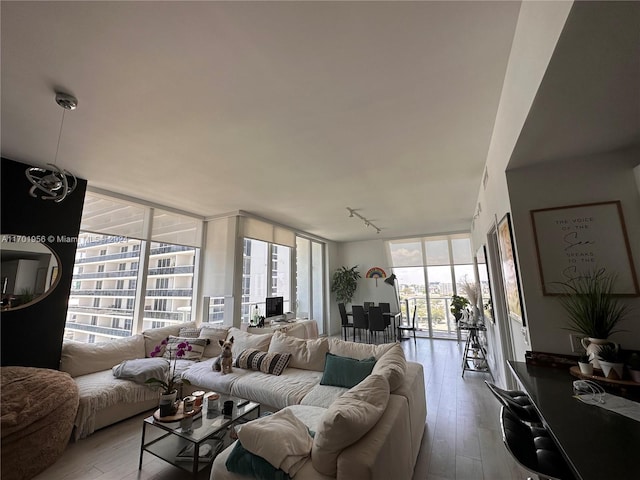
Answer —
597 443
300 328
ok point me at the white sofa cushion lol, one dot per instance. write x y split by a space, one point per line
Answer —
201 375
323 395
392 365
243 340
214 335
347 420
154 336
358 351
82 358
305 354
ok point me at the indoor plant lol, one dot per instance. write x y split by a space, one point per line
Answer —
586 368
171 381
458 304
592 309
611 361
344 283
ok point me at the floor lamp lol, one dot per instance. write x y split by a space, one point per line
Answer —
392 281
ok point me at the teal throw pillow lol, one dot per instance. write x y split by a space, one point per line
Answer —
243 462
344 371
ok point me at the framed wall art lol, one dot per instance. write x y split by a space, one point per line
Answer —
577 239
509 269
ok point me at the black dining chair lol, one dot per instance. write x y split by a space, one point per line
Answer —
376 323
533 448
346 324
386 309
360 321
367 305
409 328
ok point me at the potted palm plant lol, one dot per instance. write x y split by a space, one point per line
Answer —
592 310
344 283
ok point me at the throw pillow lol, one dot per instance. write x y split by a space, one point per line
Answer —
305 354
213 335
344 371
197 347
347 420
281 439
392 366
81 358
243 340
337 346
189 332
273 363
154 336
243 462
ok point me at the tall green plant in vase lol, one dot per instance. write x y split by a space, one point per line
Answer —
344 283
592 309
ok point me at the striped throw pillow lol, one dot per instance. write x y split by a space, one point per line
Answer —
273 363
197 348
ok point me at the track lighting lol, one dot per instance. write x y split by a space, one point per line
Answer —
367 222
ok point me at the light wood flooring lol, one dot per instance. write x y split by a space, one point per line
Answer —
462 439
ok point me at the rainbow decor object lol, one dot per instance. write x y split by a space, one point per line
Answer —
375 272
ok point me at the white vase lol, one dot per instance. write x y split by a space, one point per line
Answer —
593 346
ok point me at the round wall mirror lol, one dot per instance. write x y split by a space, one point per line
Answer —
29 271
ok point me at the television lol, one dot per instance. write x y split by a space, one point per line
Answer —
274 307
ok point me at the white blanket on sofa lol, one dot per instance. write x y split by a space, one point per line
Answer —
141 369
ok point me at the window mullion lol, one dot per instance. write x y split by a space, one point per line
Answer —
143 269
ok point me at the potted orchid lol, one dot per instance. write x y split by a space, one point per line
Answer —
170 383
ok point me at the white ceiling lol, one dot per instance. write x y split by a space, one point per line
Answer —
289 110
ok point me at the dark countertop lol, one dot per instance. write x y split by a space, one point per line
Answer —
599 444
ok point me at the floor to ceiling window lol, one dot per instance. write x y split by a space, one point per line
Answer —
310 280
430 270
117 239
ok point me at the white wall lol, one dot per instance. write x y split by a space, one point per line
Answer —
599 178
539 27
367 254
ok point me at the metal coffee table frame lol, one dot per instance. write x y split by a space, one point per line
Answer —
204 430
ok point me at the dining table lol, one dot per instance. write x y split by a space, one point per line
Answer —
394 321
597 443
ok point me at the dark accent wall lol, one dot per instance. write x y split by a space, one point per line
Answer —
32 336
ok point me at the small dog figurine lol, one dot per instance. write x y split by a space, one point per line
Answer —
225 359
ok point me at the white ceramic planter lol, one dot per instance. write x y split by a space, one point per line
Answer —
586 368
613 371
593 346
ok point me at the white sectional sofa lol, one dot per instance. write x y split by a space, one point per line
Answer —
388 449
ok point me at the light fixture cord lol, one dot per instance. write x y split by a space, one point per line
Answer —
55 159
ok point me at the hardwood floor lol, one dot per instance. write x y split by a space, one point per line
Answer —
462 439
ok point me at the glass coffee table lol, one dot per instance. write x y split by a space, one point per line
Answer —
182 448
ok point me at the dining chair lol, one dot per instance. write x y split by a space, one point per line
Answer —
360 321
367 305
409 328
386 309
376 323
346 324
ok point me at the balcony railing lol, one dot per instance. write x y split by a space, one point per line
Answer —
104 293
170 249
99 275
105 311
158 315
168 292
105 258
114 332
184 269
